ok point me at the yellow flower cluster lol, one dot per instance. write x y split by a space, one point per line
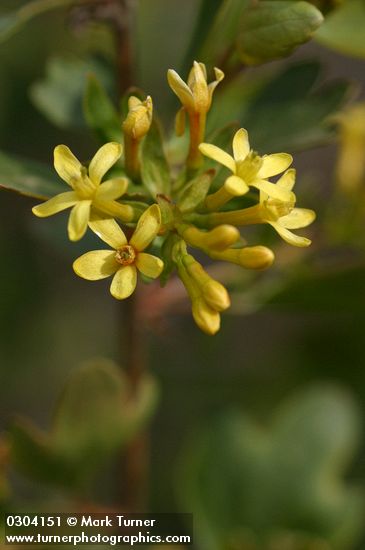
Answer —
199 212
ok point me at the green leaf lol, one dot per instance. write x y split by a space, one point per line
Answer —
314 289
287 114
243 481
60 93
272 29
195 192
223 31
12 22
28 177
96 416
100 113
204 21
33 455
343 29
155 169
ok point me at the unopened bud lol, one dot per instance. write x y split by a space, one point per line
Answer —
219 238
251 257
139 117
216 295
207 319
212 291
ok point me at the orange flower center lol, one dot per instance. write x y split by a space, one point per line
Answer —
125 255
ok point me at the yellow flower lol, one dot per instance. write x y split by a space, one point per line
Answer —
88 193
249 170
283 216
350 168
139 118
195 95
280 214
126 258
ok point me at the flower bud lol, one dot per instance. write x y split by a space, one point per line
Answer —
139 117
212 291
216 295
251 257
219 238
207 319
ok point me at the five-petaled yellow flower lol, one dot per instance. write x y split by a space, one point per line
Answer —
88 193
283 216
126 258
280 214
250 169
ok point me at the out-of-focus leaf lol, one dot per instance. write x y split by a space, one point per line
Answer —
343 29
271 29
12 22
241 480
33 455
288 114
100 113
60 93
155 171
332 289
223 31
96 416
207 12
28 177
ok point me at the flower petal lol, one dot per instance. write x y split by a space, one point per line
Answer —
287 180
241 145
115 209
273 190
181 89
149 265
219 75
112 189
217 154
77 222
124 282
109 232
298 217
103 160
289 237
55 204
147 228
96 265
66 164
235 186
274 164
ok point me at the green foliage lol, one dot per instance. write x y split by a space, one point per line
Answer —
272 29
294 109
96 416
343 29
60 93
206 16
100 113
12 22
316 289
223 31
28 177
155 171
246 483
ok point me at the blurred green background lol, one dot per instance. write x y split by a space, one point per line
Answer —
309 333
